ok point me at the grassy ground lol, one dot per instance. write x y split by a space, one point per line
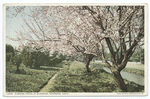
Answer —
132 68
74 78
28 80
135 66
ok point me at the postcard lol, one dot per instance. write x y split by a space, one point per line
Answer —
75 49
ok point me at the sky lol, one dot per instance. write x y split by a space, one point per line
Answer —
13 24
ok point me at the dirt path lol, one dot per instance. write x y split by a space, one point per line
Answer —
50 83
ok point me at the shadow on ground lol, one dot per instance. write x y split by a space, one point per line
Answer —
47 68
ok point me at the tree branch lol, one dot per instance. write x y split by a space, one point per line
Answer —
126 20
103 56
111 50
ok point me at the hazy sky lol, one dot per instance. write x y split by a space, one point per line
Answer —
13 24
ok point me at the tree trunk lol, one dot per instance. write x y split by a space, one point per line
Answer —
17 68
119 80
88 59
87 65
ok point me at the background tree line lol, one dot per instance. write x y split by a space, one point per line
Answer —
138 56
32 58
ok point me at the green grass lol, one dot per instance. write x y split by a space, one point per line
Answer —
135 66
136 71
28 80
74 78
132 68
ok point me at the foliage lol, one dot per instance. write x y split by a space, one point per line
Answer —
12 56
108 56
27 57
36 58
9 49
9 57
138 56
142 56
17 60
56 58
9 53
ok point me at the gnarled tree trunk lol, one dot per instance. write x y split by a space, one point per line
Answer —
88 59
87 65
118 79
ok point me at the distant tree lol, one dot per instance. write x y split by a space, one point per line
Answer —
46 59
142 56
17 60
38 59
136 56
9 53
56 58
62 57
108 56
9 57
9 49
27 57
